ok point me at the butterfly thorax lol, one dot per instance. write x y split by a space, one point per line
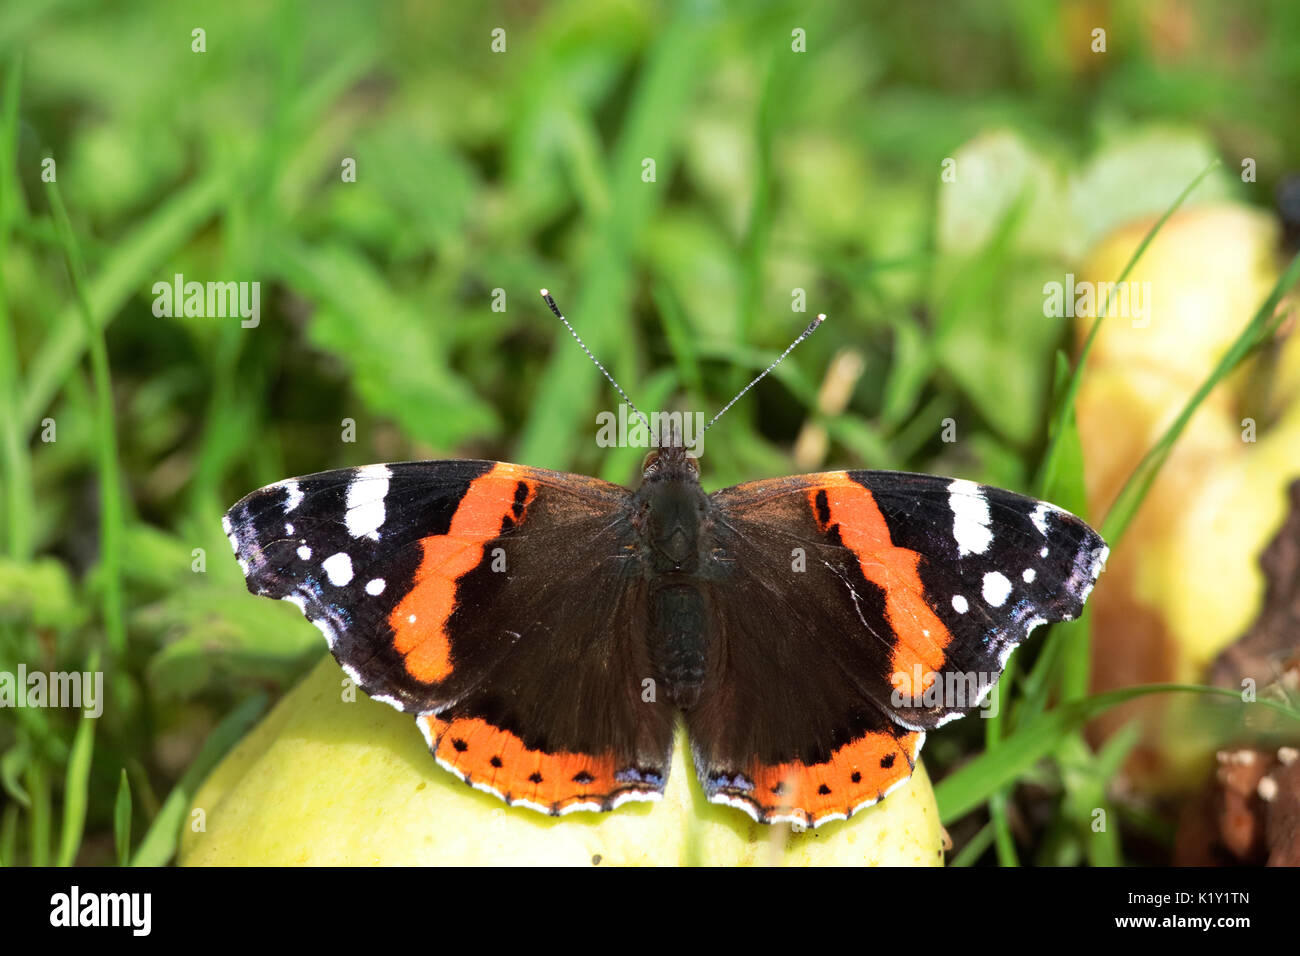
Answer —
669 516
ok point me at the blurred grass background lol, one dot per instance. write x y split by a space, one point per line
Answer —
477 170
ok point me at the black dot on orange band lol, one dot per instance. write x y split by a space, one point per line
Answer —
823 508
460 745
582 777
857 777
823 790
887 761
535 777
495 761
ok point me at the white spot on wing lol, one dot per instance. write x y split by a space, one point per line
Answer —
424 724
648 796
970 517
295 495
375 586
324 627
996 588
304 552
1039 517
1029 575
365 501
1099 557
960 604
229 529
339 569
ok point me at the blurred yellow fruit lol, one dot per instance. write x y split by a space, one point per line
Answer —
325 781
1284 387
1122 410
1207 271
1184 582
1209 560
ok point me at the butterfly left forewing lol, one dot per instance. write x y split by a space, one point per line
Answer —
498 603
345 547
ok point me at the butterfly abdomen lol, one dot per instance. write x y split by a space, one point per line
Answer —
678 641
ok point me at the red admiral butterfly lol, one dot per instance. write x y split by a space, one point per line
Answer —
547 629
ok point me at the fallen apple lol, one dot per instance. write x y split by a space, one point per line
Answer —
331 777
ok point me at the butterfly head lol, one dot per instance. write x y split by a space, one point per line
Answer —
670 462
669 507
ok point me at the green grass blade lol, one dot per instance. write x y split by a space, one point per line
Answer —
160 841
973 784
9 835
1104 848
1069 643
13 763
680 340
998 819
122 820
76 788
38 786
601 309
974 849
19 504
1002 838
1065 410
134 261
111 519
753 246
1257 330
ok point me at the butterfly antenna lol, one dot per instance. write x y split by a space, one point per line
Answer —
618 388
812 327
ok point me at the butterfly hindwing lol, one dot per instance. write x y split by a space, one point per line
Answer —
855 611
538 701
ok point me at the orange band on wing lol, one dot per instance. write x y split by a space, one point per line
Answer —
496 760
858 774
419 621
920 637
